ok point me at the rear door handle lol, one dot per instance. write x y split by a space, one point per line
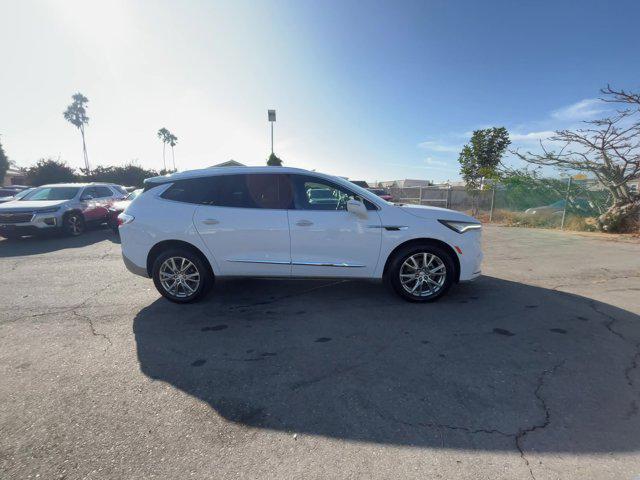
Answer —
210 221
304 223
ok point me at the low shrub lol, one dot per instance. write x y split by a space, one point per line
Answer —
521 219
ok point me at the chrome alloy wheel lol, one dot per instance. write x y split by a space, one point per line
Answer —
423 274
75 225
179 277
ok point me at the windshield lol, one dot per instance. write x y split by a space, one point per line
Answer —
52 193
23 193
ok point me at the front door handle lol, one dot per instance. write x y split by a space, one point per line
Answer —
304 223
210 221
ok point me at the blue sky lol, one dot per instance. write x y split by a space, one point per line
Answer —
373 90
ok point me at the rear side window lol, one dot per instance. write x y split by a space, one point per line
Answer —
268 191
101 192
193 190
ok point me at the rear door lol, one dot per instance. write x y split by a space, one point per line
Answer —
90 205
326 239
244 222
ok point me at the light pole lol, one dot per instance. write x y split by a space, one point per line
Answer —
272 118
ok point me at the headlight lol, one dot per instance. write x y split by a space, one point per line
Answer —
48 210
460 227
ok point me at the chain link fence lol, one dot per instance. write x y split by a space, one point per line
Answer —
560 203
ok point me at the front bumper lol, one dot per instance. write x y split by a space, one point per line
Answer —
40 222
12 230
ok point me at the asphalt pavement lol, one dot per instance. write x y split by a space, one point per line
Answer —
532 371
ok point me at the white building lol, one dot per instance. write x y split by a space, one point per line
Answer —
13 177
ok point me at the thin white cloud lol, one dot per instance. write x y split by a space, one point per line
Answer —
531 136
582 110
439 147
436 163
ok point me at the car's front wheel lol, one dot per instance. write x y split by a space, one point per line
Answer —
73 224
421 273
181 275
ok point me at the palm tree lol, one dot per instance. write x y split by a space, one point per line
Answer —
163 134
76 114
173 140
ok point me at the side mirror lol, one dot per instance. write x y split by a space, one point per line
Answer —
86 197
357 208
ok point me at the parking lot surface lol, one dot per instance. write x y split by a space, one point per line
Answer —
529 372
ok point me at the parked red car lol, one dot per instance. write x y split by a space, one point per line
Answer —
118 207
381 193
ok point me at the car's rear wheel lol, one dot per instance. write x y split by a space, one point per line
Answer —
73 224
421 273
181 275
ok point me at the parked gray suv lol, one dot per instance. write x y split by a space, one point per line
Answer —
68 207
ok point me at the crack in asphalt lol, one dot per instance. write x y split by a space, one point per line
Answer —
611 320
635 362
63 309
635 359
94 332
547 417
517 437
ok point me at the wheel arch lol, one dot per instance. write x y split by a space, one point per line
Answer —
164 245
422 241
73 210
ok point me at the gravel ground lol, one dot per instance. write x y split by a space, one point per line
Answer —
529 372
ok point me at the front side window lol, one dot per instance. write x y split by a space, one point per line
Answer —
318 194
52 193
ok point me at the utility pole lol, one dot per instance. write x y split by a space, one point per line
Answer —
272 118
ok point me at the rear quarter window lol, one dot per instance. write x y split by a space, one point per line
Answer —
194 190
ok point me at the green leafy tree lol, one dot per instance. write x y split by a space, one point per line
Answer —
130 175
76 114
274 161
479 159
4 164
49 171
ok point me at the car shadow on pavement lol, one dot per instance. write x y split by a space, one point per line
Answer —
51 242
495 365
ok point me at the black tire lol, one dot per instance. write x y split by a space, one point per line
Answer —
73 224
181 294
442 257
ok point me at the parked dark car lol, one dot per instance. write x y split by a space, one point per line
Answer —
14 195
118 207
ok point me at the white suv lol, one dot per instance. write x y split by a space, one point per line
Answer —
187 228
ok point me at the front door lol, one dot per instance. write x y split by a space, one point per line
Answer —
326 239
245 224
